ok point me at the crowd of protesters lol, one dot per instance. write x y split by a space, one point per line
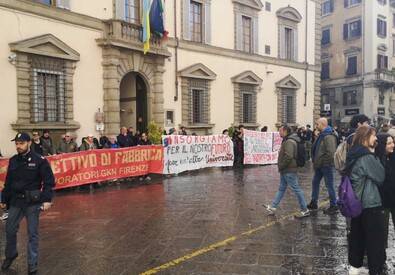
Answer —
369 162
44 145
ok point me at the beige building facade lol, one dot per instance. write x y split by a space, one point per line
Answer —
358 49
70 66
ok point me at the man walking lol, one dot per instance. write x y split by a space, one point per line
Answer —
322 152
27 190
287 166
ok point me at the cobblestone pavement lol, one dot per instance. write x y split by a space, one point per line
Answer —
129 228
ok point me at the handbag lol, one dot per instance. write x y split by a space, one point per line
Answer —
33 196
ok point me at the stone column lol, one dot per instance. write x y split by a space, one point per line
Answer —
111 82
157 109
68 91
23 73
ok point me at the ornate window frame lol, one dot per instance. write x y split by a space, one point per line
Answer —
255 82
197 73
288 18
250 9
286 86
51 48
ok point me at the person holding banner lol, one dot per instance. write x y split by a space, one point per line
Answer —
288 168
28 189
144 141
238 141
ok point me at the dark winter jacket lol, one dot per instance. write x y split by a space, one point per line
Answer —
287 155
366 174
147 142
37 148
48 146
324 149
124 141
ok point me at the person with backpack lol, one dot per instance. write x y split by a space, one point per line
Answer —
289 159
322 153
367 230
342 149
356 122
384 152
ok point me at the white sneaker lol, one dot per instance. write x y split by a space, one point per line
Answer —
358 271
147 178
303 214
4 216
271 210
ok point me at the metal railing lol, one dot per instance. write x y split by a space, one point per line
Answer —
130 32
385 75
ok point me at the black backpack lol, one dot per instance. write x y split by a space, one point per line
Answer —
300 152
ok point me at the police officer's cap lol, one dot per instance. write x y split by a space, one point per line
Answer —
22 137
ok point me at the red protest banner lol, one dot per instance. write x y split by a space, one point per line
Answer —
3 171
84 167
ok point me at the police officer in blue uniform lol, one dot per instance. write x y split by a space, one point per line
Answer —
28 189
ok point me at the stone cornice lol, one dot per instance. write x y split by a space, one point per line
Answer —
225 52
162 51
53 13
31 45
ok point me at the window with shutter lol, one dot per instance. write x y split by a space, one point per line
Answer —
196 19
381 28
352 30
351 65
327 7
325 70
345 31
289 44
326 37
382 61
247 34
132 11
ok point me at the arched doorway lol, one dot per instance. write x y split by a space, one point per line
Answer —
134 102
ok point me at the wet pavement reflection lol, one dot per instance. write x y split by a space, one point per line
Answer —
128 228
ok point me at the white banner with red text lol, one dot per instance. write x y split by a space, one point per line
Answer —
261 147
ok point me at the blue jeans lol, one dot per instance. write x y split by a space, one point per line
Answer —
290 179
328 174
15 216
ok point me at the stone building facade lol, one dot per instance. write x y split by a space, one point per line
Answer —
72 66
358 49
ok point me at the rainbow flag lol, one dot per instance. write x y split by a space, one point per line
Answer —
146 25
